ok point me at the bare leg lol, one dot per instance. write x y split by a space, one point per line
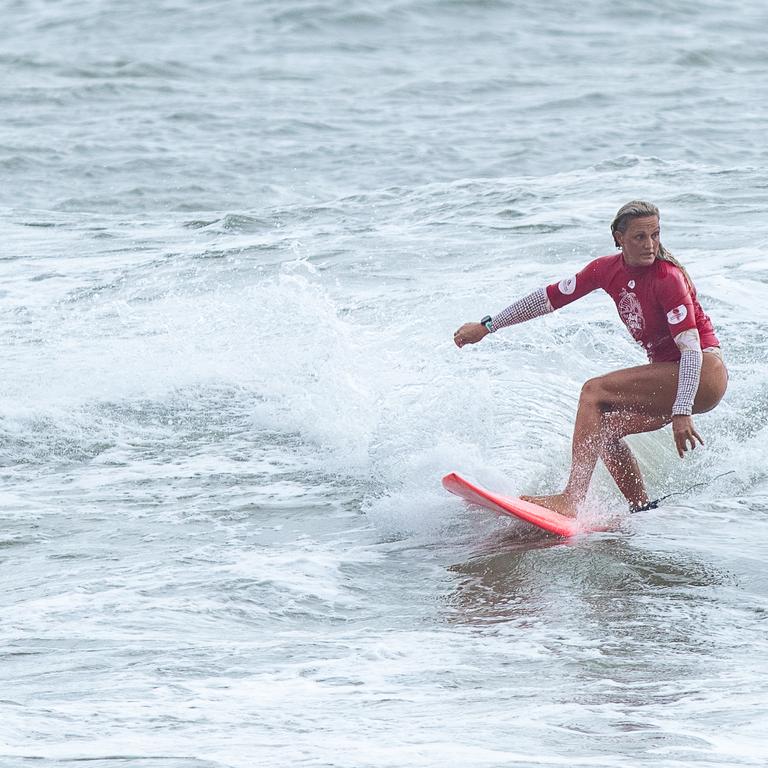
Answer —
617 456
622 464
620 403
586 447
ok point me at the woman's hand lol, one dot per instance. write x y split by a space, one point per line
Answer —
470 333
684 433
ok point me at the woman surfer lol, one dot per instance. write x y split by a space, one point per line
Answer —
686 375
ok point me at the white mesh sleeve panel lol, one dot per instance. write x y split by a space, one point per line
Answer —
690 372
535 304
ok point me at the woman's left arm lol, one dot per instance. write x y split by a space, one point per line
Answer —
691 357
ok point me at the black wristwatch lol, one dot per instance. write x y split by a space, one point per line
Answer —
486 321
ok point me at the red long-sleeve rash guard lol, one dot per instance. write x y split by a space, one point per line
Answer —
654 302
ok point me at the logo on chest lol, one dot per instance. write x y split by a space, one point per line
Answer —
631 313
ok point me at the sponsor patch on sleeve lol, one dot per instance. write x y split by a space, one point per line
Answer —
567 286
677 315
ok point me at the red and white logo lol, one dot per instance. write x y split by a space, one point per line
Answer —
677 315
568 286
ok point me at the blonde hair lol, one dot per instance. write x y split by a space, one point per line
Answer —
639 209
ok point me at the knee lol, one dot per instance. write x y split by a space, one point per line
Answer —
592 392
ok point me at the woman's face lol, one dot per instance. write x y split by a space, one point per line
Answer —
640 243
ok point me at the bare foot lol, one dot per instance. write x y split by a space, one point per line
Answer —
560 502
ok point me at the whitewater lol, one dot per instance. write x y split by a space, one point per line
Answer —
237 239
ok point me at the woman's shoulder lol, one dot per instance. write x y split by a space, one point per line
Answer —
603 268
602 263
667 272
611 258
670 281
666 268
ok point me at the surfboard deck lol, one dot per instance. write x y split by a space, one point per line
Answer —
546 519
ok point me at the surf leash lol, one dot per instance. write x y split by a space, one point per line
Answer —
656 502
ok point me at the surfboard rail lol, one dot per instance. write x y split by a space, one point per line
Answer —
547 519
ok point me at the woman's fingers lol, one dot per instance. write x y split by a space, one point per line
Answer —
681 441
685 434
695 434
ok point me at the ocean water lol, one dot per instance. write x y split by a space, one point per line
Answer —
236 240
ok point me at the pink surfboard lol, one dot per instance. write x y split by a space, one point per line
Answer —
546 519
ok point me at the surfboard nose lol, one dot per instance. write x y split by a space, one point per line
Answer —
546 519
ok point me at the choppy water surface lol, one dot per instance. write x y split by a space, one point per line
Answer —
236 240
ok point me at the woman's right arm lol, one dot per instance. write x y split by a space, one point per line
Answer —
533 305
541 302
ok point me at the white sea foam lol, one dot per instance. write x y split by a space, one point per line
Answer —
236 243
